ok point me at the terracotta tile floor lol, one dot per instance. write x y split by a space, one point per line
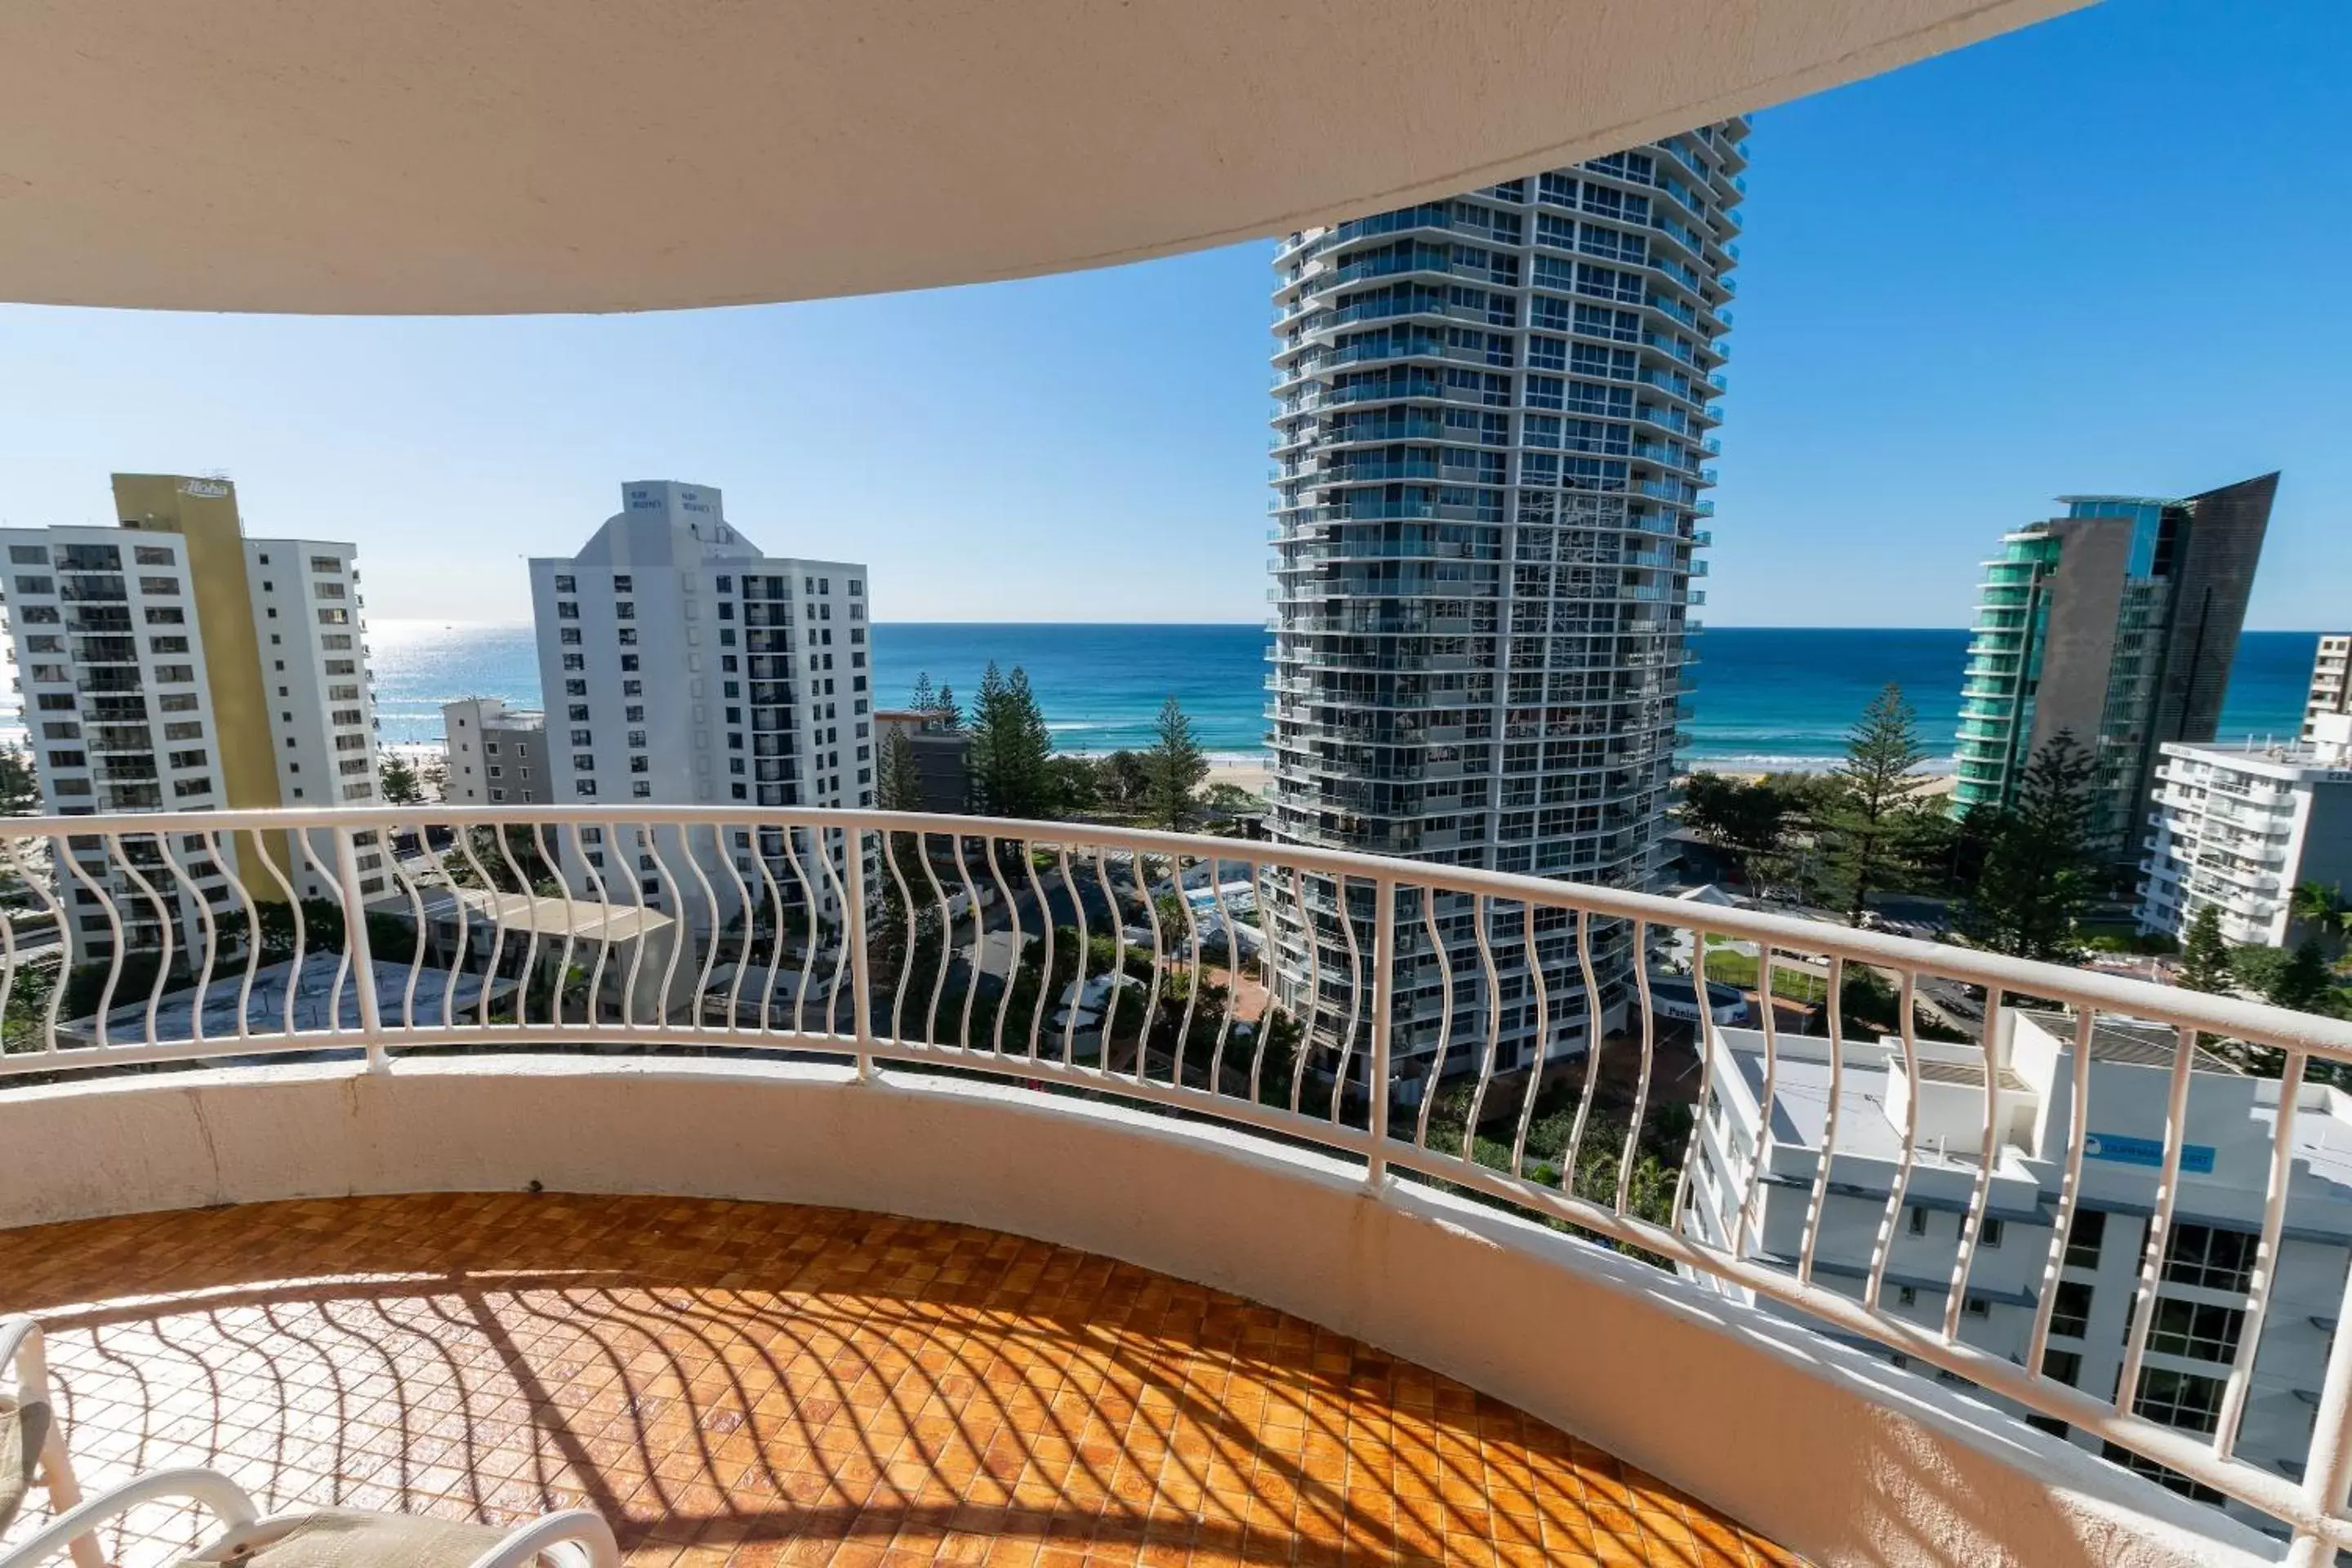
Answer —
758 1383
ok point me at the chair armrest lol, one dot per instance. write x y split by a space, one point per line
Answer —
583 1531
215 1491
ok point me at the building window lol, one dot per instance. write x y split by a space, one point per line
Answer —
583 786
642 788
2193 1330
2216 1259
564 584
2083 1238
2070 1310
1919 1220
567 610
575 661
1990 1232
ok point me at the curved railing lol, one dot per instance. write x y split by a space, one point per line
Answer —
1378 1009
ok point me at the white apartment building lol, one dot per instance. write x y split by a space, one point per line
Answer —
2201 1297
2238 827
2331 681
682 665
497 754
171 663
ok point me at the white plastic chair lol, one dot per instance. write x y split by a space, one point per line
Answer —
309 1538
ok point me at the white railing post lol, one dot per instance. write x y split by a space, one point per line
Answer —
355 944
861 996
2327 1468
1384 896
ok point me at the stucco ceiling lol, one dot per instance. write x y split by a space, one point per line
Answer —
523 155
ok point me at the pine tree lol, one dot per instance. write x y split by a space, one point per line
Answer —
900 785
1874 818
1010 746
400 783
1174 769
2205 956
922 699
2039 874
944 709
20 794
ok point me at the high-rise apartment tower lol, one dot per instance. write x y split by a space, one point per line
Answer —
2331 682
1491 435
2117 624
172 664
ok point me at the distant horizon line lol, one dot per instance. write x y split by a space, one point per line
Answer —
1756 626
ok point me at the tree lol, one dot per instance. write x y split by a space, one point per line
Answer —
1010 747
1873 823
923 700
900 786
20 793
1121 779
1072 783
401 786
2303 983
1174 769
945 711
2205 956
1748 818
2320 909
2039 874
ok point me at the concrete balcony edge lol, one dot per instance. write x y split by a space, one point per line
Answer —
1833 1453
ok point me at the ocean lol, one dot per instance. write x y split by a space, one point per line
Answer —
1765 698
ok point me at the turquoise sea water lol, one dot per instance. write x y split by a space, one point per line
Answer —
1765 698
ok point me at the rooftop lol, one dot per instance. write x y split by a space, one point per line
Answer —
758 1383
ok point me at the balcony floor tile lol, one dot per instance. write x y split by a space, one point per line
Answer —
759 1385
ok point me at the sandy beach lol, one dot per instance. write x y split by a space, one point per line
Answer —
1251 774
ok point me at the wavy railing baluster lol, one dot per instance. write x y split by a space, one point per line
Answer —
403 880
55 908
302 930
2159 1225
608 914
166 928
709 897
1882 1246
1260 880
186 887
827 866
1575 1150
1355 998
550 849
226 862
907 957
2070 1185
1118 976
1980 1195
495 911
972 969
1084 957
1649 1060
645 925
1232 976
1193 974
1045 959
1751 1194
1817 1204
1482 915
797 844
947 935
774 893
1702 1034
1314 1016
1542 1039
723 842
1445 1015
995 852
114 917
527 902
1139 868
672 892
2262 1279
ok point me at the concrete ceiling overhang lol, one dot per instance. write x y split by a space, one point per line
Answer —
462 156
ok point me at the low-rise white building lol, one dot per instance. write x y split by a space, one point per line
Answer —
2202 1293
2238 827
497 755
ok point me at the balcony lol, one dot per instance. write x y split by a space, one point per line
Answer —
624 1087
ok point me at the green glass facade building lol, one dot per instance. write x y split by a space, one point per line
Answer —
2116 624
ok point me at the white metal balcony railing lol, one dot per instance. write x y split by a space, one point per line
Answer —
873 937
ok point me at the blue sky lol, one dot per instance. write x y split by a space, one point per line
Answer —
2105 254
